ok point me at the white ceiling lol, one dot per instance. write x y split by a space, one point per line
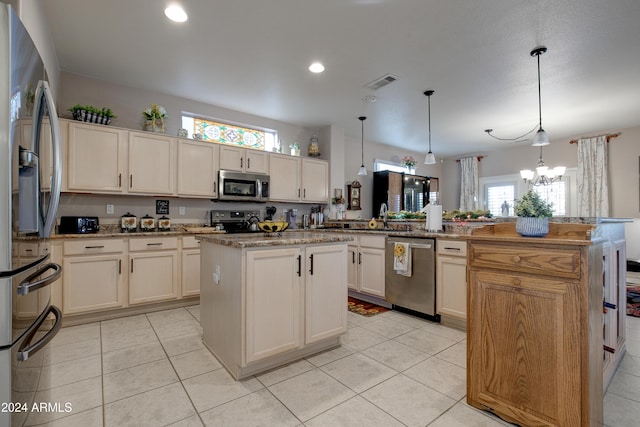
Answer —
252 56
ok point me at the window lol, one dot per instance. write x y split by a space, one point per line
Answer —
226 133
384 165
498 189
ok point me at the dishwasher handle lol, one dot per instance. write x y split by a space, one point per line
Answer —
414 245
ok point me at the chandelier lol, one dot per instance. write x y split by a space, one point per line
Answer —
543 174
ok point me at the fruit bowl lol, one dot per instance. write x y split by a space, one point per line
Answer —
273 226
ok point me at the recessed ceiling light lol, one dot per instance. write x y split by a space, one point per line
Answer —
316 67
176 13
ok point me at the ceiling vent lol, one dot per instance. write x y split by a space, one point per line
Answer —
382 81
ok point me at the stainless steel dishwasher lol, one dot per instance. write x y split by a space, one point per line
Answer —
416 292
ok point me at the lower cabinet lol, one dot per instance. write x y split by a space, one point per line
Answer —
451 281
93 276
153 269
294 316
365 261
190 267
261 308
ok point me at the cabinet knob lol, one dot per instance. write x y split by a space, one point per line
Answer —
517 281
516 258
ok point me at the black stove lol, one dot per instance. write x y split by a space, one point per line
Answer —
233 221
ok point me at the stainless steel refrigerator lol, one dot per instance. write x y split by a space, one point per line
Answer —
30 175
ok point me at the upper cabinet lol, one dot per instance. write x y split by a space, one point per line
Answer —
95 159
198 168
243 159
295 179
152 167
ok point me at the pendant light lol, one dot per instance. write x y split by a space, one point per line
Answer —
429 159
363 170
540 138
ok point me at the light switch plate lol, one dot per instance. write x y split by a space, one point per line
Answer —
181 210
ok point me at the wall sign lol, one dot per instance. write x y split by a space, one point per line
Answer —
162 207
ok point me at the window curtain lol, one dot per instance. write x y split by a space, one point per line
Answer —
470 184
593 170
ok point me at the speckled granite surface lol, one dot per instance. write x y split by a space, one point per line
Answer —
295 238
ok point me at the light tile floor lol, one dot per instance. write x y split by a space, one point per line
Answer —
392 370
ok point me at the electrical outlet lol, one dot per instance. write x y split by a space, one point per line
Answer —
110 209
181 210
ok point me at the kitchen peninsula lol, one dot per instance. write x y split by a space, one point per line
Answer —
269 299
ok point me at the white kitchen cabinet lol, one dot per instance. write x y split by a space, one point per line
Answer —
325 293
152 164
243 159
295 179
93 276
95 159
451 281
366 265
263 307
315 181
153 269
198 168
284 178
31 305
273 302
190 267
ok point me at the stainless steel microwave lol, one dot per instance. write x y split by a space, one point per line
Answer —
243 187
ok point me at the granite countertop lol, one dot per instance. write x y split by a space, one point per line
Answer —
258 240
114 231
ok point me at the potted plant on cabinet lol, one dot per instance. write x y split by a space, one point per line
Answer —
91 114
533 215
154 116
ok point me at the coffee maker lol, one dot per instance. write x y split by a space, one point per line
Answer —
291 217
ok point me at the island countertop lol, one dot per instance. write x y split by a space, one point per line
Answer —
257 240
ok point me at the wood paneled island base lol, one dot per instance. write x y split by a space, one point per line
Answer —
534 326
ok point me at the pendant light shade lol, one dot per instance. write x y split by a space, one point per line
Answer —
430 158
540 138
363 170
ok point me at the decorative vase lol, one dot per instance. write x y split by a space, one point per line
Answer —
156 125
412 170
532 227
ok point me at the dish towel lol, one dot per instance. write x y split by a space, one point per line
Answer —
402 258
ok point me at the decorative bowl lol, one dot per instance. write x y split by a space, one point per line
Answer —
273 226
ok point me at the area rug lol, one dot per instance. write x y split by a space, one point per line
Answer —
364 308
633 300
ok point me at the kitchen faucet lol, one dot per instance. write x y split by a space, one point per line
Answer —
383 214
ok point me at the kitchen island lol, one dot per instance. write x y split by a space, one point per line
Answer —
535 324
269 299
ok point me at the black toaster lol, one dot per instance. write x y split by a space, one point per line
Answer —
78 225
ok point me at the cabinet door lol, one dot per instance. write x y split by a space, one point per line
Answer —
190 272
315 181
371 271
151 163
284 178
256 161
326 293
92 283
352 267
525 347
197 168
231 158
451 286
153 276
96 158
274 302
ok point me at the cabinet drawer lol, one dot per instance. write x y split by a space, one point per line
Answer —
372 241
536 260
28 249
190 242
92 246
452 247
153 243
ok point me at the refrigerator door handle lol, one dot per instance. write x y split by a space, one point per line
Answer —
26 348
43 94
27 286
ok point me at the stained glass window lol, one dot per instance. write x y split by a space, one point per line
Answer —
226 133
